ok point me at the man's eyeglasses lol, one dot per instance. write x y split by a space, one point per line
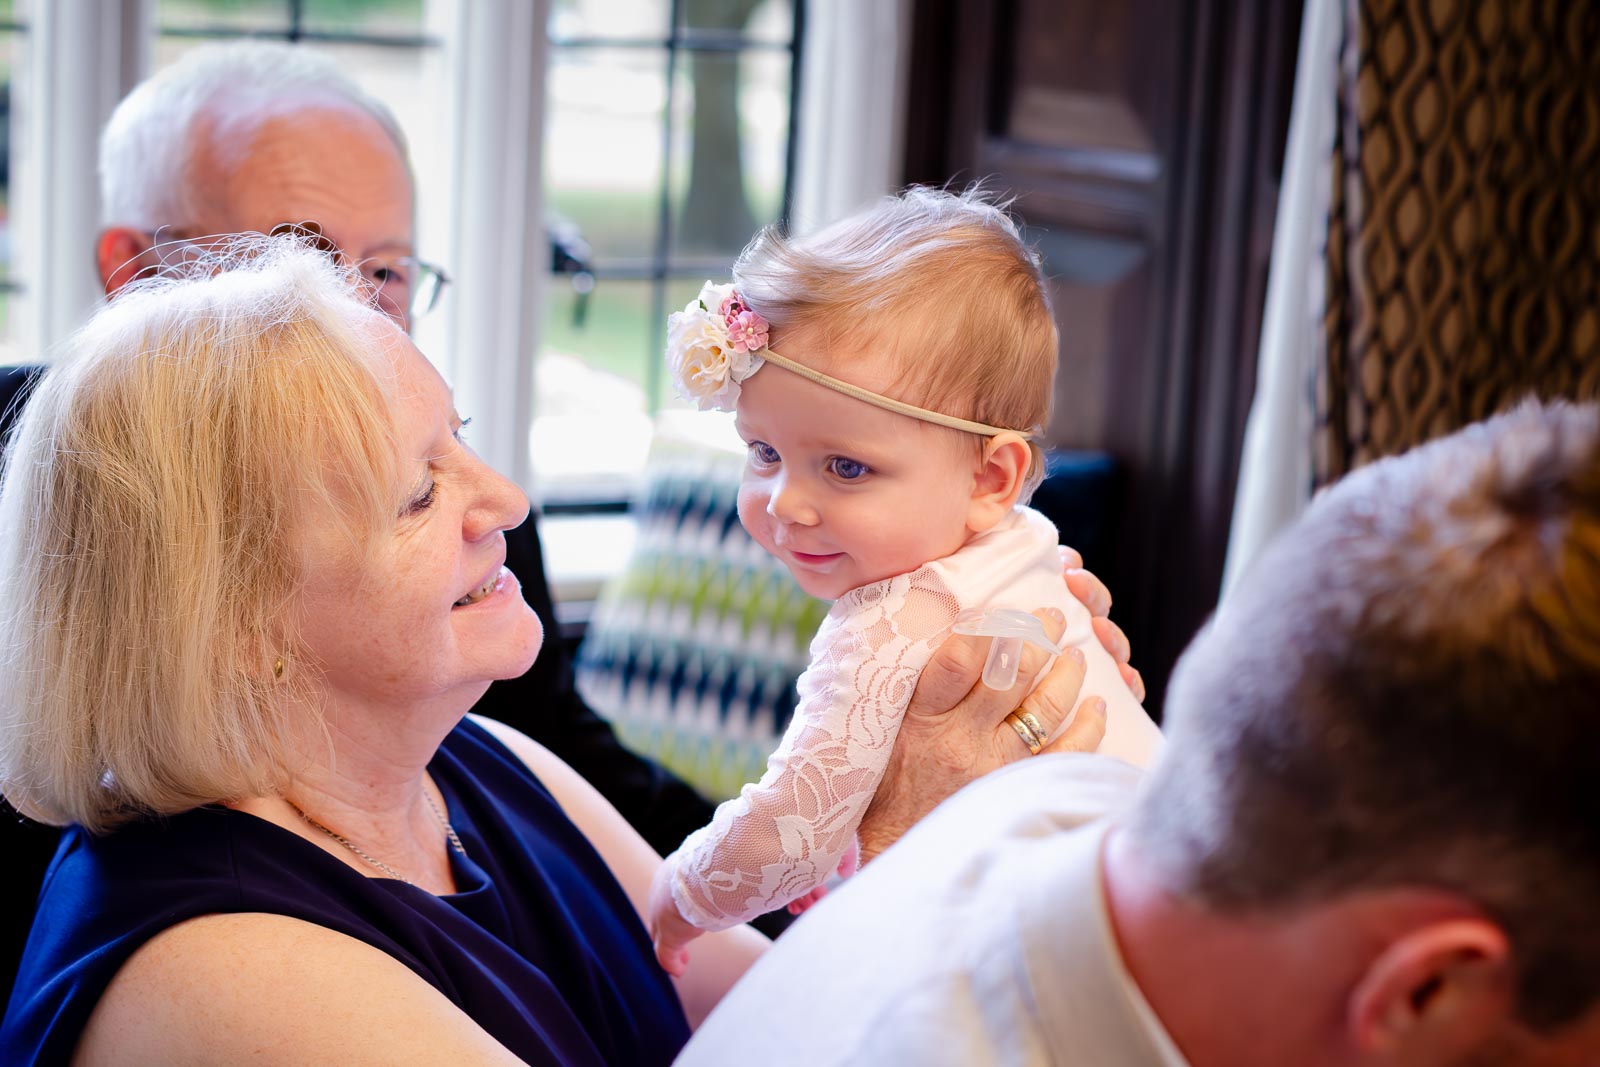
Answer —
409 283
406 284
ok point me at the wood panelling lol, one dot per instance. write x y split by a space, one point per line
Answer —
1143 140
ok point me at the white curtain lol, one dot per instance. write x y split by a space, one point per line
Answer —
852 107
1275 468
79 57
496 240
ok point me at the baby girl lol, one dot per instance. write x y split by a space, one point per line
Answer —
891 449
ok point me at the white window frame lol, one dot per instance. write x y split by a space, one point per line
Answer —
496 242
82 56
85 55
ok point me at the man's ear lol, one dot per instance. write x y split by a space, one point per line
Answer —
119 253
1435 993
1003 469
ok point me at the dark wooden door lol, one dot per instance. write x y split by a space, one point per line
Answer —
1144 140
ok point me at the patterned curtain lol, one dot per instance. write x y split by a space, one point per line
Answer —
1463 259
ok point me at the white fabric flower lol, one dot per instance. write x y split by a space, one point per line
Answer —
705 367
711 298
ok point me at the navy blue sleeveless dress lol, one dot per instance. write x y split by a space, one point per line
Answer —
540 945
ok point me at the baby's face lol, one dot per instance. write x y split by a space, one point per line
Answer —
845 493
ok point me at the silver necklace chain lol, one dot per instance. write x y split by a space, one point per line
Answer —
450 832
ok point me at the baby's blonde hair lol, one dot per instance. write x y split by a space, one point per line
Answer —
152 497
940 282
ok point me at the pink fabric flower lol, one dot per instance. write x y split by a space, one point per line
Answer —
747 331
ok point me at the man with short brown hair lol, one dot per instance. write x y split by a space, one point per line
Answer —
1373 837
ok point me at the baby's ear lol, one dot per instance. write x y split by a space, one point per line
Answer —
1002 471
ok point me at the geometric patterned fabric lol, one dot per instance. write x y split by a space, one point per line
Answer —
692 652
1463 256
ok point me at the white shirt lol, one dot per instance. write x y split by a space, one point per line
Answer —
785 835
981 938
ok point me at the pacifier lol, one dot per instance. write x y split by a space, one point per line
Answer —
1010 629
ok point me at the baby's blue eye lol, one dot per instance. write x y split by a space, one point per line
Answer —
763 453
847 469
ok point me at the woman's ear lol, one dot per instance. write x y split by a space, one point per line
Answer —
119 254
1003 469
1434 993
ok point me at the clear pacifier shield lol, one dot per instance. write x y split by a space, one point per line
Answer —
1010 630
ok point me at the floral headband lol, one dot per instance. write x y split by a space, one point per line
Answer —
710 352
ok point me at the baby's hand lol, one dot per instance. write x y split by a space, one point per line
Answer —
847 866
669 932
851 859
800 904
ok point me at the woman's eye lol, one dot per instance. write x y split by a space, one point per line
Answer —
763 453
461 431
424 501
847 469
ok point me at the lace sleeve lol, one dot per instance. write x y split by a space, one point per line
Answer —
784 835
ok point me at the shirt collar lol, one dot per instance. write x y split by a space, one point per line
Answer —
1077 950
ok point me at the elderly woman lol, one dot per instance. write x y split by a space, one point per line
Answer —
251 581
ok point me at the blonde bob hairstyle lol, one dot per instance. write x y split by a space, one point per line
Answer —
940 283
152 495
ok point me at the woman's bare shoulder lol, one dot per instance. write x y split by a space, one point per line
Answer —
273 989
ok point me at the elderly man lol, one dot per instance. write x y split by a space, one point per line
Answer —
1374 837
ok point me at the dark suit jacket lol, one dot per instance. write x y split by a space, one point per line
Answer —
542 704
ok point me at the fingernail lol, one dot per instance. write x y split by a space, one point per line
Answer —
1056 615
1100 705
1076 655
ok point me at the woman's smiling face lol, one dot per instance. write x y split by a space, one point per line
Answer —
427 611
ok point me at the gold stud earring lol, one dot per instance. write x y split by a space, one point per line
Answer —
277 669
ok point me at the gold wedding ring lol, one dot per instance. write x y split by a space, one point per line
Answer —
1027 728
1033 724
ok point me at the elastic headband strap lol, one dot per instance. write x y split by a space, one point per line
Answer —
899 407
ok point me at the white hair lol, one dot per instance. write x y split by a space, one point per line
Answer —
147 145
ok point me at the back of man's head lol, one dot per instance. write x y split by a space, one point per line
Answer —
148 144
1406 692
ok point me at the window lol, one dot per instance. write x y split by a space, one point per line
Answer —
12 37
635 177
669 132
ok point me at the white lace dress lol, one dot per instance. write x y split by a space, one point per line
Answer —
783 836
